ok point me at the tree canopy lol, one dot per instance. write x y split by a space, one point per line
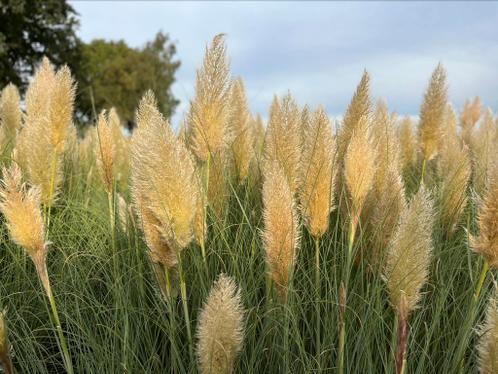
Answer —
31 29
118 75
109 73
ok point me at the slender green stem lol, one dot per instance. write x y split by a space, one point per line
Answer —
183 293
422 175
62 340
342 333
472 315
318 297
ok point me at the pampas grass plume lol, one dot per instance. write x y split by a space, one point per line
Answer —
209 110
317 173
409 252
220 330
432 113
280 235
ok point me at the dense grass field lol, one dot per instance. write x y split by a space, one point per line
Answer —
346 240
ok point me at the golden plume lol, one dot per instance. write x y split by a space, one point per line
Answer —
21 208
469 116
210 108
359 169
409 252
387 198
360 106
484 148
317 173
487 347
163 176
486 243
408 144
432 113
455 171
218 182
10 113
241 131
42 140
121 151
283 140
281 233
220 331
105 151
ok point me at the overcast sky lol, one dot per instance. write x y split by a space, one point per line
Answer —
318 50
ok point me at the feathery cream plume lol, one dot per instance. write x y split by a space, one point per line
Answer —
241 131
220 330
163 175
484 149
281 233
455 171
121 150
487 347
387 198
210 108
105 151
359 169
432 113
10 112
408 144
283 140
317 173
468 118
409 252
360 106
486 243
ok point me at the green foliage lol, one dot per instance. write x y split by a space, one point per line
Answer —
116 320
31 29
116 75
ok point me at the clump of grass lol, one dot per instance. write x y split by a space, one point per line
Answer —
21 208
220 329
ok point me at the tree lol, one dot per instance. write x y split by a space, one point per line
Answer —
31 29
113 74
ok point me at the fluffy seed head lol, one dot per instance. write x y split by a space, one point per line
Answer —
432 113
486 243
455 171
488 341
484 149
280 235
241 130
359 107
220 331
21 208
10 111
317 173
408 143
162 176
105 151
359 167
209 111
3 335
409 252
283 140
469 116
